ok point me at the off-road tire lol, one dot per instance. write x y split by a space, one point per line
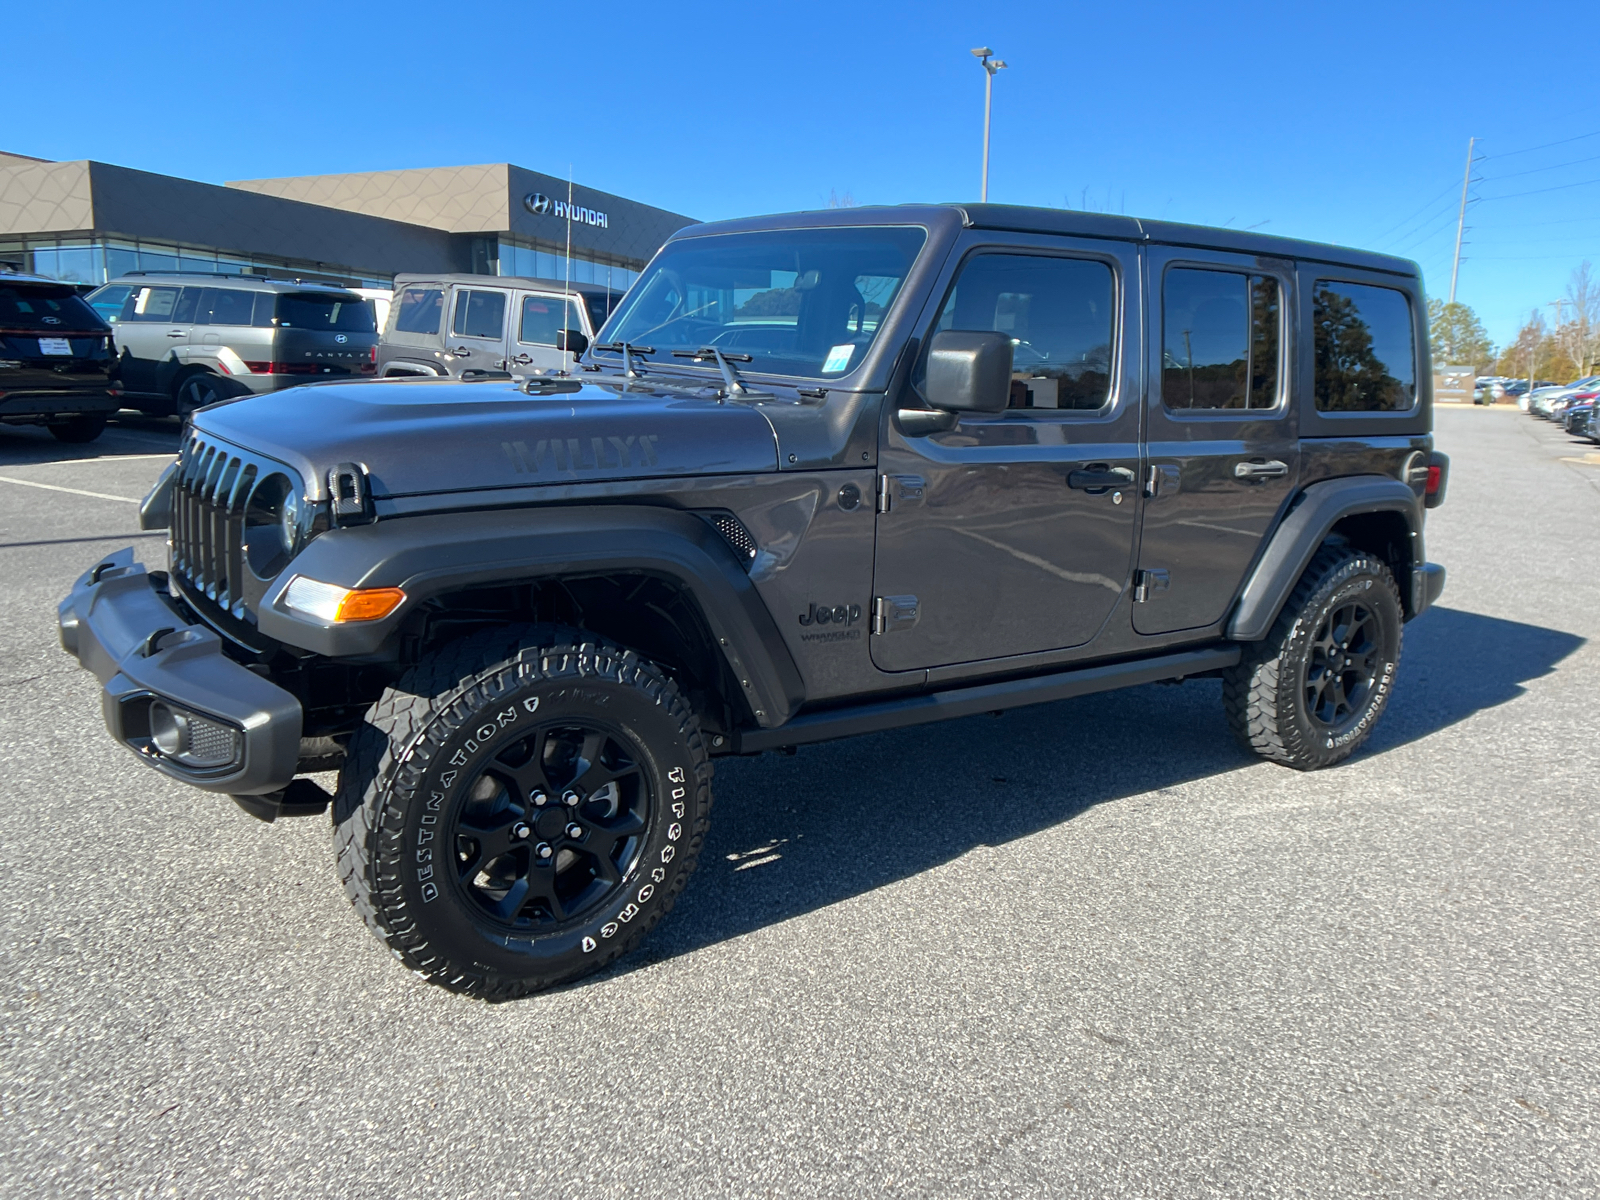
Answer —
410 764
76 431
1266 693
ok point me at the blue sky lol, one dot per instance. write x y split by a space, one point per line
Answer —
1343 123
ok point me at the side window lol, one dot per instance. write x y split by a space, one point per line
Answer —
266 309
108 302
419 310
225 306
1365 353
1220 342
188 302
151 304
1059 314
480 314
545 316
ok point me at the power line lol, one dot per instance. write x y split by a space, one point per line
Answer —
1539 191
1448 191
1556 167
1545 146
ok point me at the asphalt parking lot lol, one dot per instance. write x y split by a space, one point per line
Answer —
1087 949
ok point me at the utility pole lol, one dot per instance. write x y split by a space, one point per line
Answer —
1461 220
982 54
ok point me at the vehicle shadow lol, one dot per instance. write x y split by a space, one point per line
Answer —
128 433
792 834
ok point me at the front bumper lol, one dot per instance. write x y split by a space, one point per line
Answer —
120 624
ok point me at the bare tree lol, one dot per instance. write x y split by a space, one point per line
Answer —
1580 333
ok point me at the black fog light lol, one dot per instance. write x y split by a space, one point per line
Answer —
191 739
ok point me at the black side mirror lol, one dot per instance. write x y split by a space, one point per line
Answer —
969 371
573 340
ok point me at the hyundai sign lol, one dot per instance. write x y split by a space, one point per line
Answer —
541 205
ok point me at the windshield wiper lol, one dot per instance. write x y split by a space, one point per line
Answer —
730 378
627 350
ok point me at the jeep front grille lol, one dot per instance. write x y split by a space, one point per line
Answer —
211 492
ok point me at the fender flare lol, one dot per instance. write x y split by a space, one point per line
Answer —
1315 512
429 556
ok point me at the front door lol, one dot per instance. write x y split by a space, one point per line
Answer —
1223 446
1013 533
477 338
156 324
540 318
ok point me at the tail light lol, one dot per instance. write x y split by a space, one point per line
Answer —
1438 479
372 353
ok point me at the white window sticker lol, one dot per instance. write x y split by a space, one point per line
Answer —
54 346
838 359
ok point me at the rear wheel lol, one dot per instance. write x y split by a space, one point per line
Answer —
521 808
82 428
1309 694
196 391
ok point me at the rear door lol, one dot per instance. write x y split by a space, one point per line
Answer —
1222 448
157 322
540 319
477 338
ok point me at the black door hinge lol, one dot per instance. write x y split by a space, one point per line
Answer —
1147 583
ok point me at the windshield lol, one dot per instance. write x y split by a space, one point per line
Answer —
804 302
46 307
319 310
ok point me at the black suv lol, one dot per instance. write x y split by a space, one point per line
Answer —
821 475
57 364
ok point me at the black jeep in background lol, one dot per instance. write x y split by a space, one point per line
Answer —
820 475
57 364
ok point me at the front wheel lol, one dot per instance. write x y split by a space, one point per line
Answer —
1309 694
521 808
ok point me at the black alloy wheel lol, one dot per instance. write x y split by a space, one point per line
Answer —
197 391
552 825
1345 660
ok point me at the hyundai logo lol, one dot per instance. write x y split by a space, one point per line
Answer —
537 203
340 338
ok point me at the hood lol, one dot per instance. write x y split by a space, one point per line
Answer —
442 435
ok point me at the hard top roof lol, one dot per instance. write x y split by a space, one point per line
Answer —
1066 222
528 281
255 283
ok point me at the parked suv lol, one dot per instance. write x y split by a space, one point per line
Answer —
823 474
188 340
482 326
57 366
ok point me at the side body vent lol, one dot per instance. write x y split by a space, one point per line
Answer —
735 534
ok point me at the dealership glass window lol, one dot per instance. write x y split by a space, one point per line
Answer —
543 317
1058 313
418 310
1364 349
1220 340
480 314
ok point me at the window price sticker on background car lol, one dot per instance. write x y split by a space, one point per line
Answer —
838 359
61 346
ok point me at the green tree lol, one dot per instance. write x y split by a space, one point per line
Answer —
1457 336
1536 352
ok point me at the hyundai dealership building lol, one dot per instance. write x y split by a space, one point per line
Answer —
90 221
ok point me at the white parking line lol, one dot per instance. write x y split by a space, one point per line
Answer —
50 487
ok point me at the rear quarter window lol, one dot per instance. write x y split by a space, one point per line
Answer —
419 310
1365 349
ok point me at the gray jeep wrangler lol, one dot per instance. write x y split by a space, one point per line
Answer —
820 475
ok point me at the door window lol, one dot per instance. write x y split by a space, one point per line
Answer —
1058 313
480 314
1365 353
1220 344
225 306
419 310
151 304
188 301
545 316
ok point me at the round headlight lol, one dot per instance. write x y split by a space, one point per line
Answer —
271 526
290 522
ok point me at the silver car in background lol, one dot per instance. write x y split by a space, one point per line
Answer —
186 340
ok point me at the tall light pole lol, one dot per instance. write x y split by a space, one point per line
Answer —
990 66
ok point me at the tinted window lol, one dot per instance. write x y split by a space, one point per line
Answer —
1220 340
480 314
225 306
600 307
151 304
804 302
44 307
266 309
1365 355
1058 314
543 317
188 303
316 310
107 301
419 310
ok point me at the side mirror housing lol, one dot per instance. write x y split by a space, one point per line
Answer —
969 371
572 340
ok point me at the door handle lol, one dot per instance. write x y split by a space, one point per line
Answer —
461 352
175 333
1256 469
521 360
1099 477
